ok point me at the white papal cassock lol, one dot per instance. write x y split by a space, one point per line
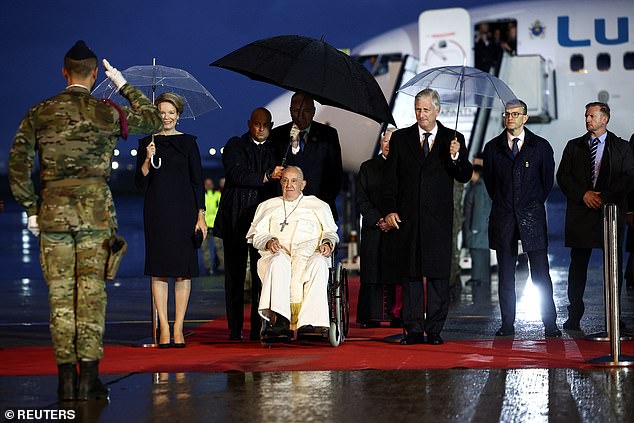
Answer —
298 275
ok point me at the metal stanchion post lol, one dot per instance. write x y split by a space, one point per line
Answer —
154 314
610 271
611 274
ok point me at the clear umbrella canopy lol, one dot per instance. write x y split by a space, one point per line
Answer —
154 80
463 86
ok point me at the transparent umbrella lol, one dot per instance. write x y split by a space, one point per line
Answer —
462 86
155 79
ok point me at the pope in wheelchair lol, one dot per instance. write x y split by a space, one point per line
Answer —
296 236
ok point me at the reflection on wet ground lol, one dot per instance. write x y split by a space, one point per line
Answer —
564 395
479 395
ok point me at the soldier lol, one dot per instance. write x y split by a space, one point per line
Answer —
74 135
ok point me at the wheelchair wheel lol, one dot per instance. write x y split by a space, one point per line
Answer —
339 304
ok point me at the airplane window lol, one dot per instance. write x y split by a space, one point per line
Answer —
603 61
576 63
628 60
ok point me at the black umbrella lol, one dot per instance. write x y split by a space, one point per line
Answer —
304 64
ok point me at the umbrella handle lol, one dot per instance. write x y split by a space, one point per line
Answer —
152 162
286 153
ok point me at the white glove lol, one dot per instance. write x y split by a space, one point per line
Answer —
32 225
115 76
294 134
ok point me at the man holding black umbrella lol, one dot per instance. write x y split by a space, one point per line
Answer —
313 147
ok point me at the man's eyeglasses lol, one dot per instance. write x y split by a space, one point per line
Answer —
514 115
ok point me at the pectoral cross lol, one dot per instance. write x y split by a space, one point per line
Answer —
282 225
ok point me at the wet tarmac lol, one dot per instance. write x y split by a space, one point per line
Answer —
480 395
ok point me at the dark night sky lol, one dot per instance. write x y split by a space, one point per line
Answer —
189 34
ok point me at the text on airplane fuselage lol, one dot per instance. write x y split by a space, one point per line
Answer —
622 37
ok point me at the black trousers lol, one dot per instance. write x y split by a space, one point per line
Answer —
540 274
375 302
235 273
437 306
577 278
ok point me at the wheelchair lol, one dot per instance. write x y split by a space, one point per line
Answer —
339 312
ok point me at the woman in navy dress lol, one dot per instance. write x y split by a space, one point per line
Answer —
172 212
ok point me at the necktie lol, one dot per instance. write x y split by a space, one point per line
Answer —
302 142
593 158
425 145
516 148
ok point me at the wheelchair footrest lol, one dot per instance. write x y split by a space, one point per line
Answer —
270 339
312 333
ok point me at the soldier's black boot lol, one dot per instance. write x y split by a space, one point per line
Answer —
67 387
90 387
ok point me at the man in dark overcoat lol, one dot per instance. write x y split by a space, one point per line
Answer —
424 161
251 177
518 173
314 148
596 169
377 292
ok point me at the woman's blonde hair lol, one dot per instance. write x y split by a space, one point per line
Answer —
172 98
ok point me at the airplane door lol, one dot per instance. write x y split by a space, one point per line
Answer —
445 38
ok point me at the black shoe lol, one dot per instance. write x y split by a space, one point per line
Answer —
552 332
67 387
434 339
505 331
90 387
235 335
179 345
370 324
279 326
397 322
168 345
572 325
413 338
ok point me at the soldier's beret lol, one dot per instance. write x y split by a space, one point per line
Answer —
80 51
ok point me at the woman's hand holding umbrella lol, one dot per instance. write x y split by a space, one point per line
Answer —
150 151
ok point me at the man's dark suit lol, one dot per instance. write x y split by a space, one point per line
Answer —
420 190
584 226
320 161
518 188
245 164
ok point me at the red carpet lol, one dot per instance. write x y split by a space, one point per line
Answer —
209 351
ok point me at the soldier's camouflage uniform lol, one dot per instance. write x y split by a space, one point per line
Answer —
74 135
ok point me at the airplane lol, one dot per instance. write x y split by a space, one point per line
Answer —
567 54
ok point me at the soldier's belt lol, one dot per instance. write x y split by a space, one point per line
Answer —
74 182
